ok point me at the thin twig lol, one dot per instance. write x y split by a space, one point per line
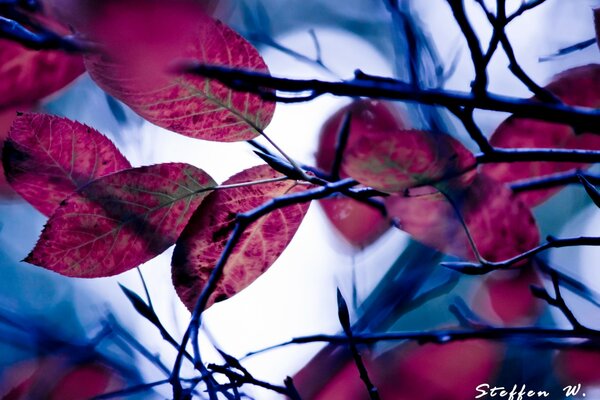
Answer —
466 117
240 379
442 336
471 268
558 301
344 317
526 6
501 155
499 23
340 145
569 49
480 82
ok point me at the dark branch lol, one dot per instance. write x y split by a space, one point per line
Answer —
515 335
524 8
484 267
241 379
499 155
257 82
242 222
344 317
558 301
479 85
570 49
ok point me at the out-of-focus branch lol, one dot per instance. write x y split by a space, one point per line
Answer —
18 27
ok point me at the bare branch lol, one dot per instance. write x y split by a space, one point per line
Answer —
257 82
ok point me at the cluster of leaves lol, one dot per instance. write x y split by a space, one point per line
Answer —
435 190
107 217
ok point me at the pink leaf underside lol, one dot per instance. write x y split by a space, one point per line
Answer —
135 70
48 157
578 86
121 220
28 75
204 239
397 160
501 225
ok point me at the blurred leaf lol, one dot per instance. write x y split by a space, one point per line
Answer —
574 366
578 86
501 226
57 378
357 222
27 76
450 371
505 297
116 109
397 160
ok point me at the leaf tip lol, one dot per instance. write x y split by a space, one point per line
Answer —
590 189
343 313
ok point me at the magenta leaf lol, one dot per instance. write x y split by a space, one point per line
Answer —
396 160
204 239
136 70
27 76
505 297
46 158
120 220
358 223
367 116
578 86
